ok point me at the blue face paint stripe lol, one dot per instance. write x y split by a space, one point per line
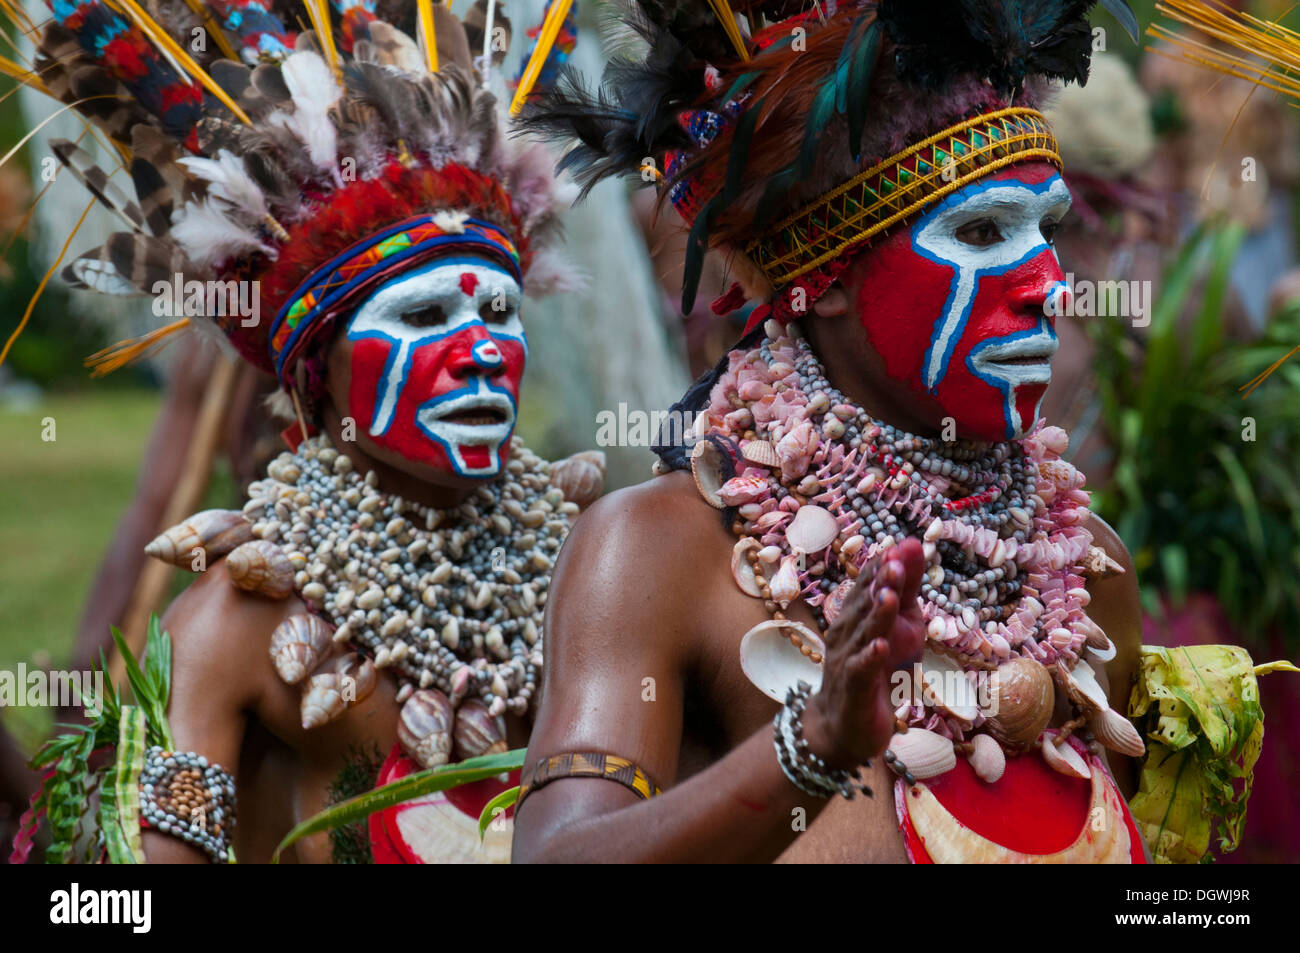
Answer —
945 315
1002 384
454 456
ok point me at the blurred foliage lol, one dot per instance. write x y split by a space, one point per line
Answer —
1200 504
52 346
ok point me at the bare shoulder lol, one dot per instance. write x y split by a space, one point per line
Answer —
221 635
633 548
623 623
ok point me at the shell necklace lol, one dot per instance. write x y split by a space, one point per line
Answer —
821 488
447 598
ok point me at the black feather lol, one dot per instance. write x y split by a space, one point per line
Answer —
1001 40
633 114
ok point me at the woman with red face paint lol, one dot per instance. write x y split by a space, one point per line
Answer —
872 572
360 191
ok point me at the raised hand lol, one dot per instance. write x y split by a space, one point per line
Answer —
880 628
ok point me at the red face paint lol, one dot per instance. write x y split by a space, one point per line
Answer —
954 304
431 378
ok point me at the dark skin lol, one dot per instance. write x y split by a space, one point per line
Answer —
643 589
228 703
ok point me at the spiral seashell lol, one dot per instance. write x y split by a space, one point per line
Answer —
424 727
812 529
743 489
708 466
1063 757
261 566
835 599
476 732
216 532
1117 733
1097 564
347 681
297 646
988 759
581 477
924 753
1021 697
760 452
741 569
796 450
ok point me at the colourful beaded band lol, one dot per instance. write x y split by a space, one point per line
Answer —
898 188
338 282
588 765
183 795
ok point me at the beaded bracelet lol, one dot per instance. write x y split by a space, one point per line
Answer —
181 794
804 769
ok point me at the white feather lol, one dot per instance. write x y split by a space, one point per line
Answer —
314 92
451 222
209 237
229 180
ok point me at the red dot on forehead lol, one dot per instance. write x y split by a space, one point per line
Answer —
468 282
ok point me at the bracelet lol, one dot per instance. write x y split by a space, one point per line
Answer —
181 794
804 769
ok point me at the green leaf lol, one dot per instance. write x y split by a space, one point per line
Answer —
119 799
406 789
494 807
1245 495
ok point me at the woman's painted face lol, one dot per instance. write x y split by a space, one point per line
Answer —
954 305
436 360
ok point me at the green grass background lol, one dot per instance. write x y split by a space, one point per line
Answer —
59 504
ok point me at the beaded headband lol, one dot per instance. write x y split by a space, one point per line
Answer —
899 187
336 285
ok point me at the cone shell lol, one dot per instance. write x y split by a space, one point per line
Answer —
347 681
297 646
760 452
581 477
774 664
1097 641
987 759
476 732
261 566
1117 733
784 587
707 466
741 568
425 727
1064 758
812 530
1021 698
1097 564
925 754
216 532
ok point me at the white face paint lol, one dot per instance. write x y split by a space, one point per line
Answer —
1018 210
438 357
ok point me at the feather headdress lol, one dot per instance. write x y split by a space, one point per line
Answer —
293 134
745 111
